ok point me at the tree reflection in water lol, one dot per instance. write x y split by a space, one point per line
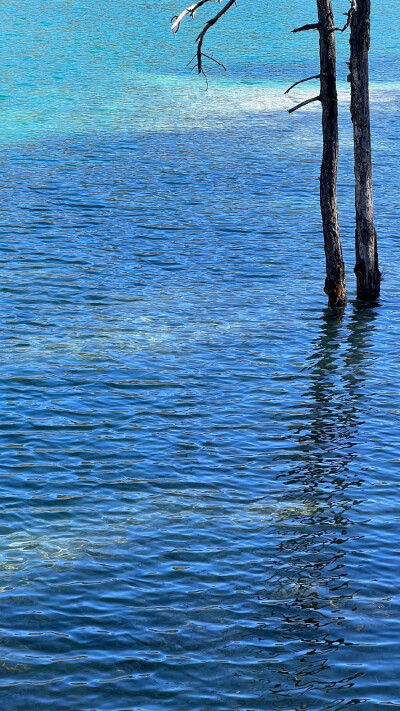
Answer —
311 595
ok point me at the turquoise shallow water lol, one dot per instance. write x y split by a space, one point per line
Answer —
199 464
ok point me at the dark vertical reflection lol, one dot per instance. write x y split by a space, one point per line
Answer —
318 528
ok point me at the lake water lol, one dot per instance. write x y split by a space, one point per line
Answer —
199 463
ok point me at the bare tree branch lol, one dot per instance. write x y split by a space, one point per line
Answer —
304 103
305 28
191 10
207 26
214 60
190 61
316 76
205 77
349 16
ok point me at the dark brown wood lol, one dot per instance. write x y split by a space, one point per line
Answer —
367 266
302 81
305 28
335 285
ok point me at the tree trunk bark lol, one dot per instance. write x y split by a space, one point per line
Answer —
335 285
367 267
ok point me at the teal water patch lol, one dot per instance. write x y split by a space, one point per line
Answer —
75 67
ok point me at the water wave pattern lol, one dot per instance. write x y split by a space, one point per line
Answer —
199 463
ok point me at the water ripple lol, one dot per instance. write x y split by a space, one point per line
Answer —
198 462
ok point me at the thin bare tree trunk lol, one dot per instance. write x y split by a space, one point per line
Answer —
367 267
335 285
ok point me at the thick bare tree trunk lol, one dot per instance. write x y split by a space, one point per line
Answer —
335 285
367 267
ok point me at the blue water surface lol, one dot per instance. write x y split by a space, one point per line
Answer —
199 461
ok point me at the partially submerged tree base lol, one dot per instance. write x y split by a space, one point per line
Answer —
336 295
368 280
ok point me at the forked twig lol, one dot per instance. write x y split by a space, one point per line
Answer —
191 10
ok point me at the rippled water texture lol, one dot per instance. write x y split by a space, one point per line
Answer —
199 463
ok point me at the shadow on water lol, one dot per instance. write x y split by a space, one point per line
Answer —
318 528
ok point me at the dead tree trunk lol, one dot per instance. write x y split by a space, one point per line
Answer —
367 267
335 286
